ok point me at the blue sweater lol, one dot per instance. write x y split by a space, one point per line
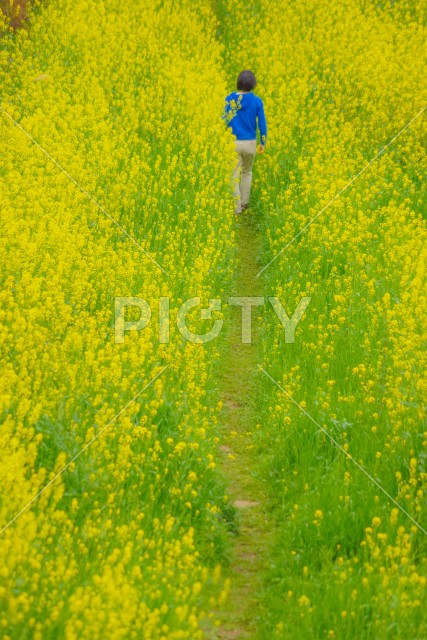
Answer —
241 113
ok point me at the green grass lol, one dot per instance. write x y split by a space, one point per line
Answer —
250 526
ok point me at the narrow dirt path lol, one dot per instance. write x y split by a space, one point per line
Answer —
237 385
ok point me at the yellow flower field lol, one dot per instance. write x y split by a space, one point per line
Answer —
115 516
140 511
339 82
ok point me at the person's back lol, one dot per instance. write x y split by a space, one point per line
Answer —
243 111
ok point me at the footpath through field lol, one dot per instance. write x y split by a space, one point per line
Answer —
237 384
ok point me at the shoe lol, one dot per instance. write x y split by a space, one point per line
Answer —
244 207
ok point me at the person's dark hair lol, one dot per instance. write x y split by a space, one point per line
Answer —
246 81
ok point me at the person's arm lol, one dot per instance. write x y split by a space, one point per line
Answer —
226 112
231 108
262 123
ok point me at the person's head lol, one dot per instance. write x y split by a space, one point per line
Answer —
246 81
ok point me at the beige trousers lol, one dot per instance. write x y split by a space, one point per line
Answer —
246 150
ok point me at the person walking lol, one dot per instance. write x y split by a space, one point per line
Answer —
242 112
